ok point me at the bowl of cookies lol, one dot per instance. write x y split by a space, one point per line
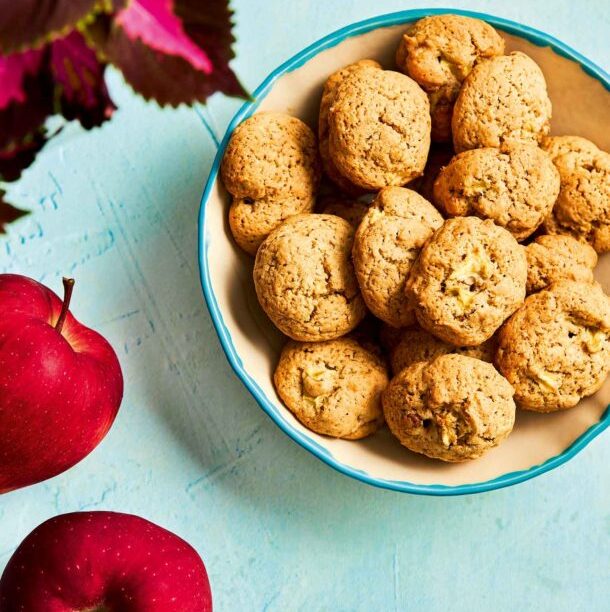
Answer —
402 246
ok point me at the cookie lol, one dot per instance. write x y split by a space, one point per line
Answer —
328 96
582 209
554 258
555 349
439 52
305 280
351 210
386 244
504 99
580 149
271 169
453 408
417 344
379 128
515 186
333 388
469 277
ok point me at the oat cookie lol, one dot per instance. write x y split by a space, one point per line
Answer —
271 169
379 128
417 344
515 186
503 99
439 52
351 210
328 96
387 241
305 280
453 408
554 258
334 387
555 349
580 149
469 277
582 209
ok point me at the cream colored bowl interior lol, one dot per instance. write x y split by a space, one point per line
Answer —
581 106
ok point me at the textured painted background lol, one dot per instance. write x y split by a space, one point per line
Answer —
191 450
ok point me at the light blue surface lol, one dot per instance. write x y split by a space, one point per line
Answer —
207 238
192 451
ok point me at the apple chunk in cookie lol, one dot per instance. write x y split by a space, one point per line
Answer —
555 349
469 277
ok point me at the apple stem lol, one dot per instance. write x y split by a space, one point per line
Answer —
68 287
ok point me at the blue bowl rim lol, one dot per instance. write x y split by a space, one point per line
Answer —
392 19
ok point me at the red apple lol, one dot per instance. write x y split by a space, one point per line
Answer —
104 562
60 384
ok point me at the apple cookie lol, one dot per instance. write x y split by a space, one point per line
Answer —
516 186
271 169
417 344
554 258
469 277
333 388
386 244
453 408
439 52
351 210
579 151
328 96
379 128
305 280
503 99
555 350
582 209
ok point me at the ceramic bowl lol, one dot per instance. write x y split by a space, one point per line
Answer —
580 94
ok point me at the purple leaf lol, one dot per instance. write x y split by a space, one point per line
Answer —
14 159
8 213
79 81
154 23
209 25
170 79
64 77
26 113
28 23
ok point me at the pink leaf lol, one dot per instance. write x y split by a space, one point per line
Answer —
156 25
13 70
